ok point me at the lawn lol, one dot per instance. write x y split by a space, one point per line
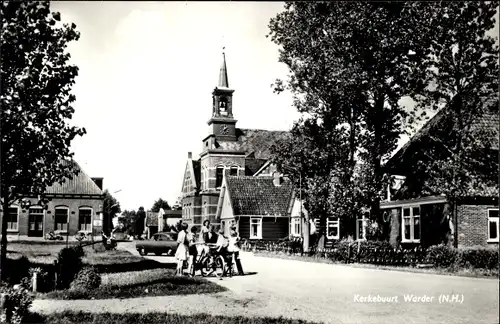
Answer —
153 318
123 274
132 284
45 253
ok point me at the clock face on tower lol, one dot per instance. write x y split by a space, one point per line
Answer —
224 130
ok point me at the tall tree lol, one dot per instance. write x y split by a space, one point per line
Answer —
351 63
111 207
36 104
462 153
160 203
129 217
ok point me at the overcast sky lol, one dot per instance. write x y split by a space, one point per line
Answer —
147 70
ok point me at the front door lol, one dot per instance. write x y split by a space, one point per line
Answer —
35 222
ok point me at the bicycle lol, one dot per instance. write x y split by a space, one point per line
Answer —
208 262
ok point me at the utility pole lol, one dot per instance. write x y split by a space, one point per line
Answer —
303 218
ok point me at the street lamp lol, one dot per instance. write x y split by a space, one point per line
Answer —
108 209
102 216
305 231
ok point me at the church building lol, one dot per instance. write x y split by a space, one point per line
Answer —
227 151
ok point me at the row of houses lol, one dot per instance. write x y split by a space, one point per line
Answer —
73 206
234 182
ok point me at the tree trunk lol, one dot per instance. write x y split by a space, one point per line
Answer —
3 249
455 222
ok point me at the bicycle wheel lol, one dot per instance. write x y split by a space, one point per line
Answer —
206 266
220 263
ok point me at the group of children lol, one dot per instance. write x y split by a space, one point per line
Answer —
192 244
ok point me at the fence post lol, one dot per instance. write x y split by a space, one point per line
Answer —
35 281
56 271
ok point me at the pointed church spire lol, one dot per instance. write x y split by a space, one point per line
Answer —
223 80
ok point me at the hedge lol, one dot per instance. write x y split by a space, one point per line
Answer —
382 253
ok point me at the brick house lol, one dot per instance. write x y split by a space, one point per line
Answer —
416 215
240 152
74 205
260 207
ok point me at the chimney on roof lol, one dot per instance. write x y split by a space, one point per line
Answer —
278 179
98 182
190 155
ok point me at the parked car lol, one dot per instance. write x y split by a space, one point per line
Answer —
159 243
120 236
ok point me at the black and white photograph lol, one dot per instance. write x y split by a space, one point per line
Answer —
234 162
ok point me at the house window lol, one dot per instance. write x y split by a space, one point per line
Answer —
85 219
411 224
219 175
295 226
256 228
361 226
333 228
61 219
493 225
12 219
233 171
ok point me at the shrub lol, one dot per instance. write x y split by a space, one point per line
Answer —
340 251
88 278
442 256
45 281
17 308
16 270
69 262
478 258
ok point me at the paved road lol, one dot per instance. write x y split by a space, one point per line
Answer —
322 292
341 294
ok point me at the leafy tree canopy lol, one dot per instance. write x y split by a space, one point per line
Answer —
160 203
351 63
36 80
35 100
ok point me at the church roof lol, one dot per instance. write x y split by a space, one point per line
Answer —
259 196
253 165
257 141
80 184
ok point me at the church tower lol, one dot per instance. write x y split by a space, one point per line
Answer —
222 123
220 153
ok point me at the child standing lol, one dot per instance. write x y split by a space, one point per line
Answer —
182 248
193 252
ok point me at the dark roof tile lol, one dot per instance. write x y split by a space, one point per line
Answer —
259 196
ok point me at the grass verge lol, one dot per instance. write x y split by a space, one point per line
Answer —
44 253
133 284
463 272
153 318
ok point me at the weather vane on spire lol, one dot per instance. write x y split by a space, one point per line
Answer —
223 46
